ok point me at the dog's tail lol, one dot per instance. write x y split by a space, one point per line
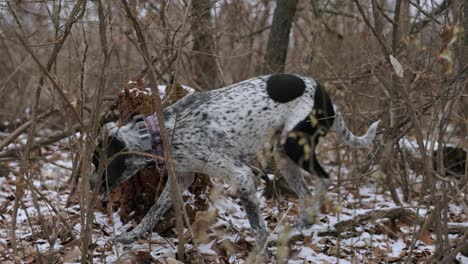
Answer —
348 137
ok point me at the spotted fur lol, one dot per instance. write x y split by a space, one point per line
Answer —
218 132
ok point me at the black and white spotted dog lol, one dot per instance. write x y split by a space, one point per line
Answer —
220 131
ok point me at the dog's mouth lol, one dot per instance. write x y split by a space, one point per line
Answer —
93 182
95 185
110 177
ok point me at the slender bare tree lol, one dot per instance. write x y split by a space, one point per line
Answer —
204 57
278 41
464 62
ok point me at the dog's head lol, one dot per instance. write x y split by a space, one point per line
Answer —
454 160
117 164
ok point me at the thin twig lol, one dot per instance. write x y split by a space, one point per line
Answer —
15 134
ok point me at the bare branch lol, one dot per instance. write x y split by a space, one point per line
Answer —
15 134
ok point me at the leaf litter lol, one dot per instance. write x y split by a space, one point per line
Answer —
222 232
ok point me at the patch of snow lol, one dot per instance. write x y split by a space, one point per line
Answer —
310 256
206 248
397 247
43 245
161 89
462 259
306 253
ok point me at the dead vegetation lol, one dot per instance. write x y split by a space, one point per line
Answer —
67 66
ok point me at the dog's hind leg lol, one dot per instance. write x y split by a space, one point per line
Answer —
323 182
161 206
291 157
295 179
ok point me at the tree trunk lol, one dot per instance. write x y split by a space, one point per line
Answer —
204 57
401 29
464 63
465 39
275 56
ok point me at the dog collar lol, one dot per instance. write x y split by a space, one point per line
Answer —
149 135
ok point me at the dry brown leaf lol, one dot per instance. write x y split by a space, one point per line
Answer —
173 261
396 66
227 248
449 36
132 257
403 253
324 240
326 207
426 237
314 247
202 224
390 259
55 157
72 255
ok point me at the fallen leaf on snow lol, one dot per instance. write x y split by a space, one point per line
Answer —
72 255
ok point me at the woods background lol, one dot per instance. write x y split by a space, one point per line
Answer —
405 62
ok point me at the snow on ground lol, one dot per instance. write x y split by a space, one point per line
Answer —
228 237
161 89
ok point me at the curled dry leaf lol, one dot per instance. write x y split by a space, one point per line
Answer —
396 66
72 255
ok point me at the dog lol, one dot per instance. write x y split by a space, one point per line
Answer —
219 132
453 156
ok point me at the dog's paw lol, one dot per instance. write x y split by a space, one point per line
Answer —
298 225
302 224
125 238
307 219
262 238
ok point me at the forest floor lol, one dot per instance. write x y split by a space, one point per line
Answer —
380 231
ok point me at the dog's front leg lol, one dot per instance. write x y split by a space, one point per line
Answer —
250 203
152 217
240 175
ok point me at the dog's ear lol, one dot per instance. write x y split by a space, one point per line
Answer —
115 162
110 128
96 158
